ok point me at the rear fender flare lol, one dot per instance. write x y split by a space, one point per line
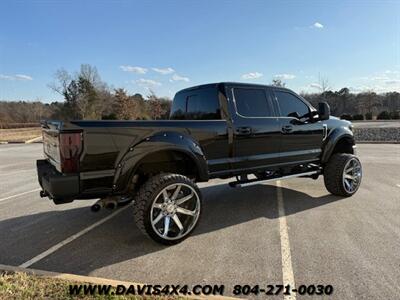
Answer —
165 141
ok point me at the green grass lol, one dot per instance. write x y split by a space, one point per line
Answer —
24 286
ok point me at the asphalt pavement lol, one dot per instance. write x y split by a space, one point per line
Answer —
349 243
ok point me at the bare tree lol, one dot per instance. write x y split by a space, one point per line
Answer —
63 79
278 82
323 83
83 93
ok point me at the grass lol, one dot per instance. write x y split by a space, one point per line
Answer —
19 134
25 286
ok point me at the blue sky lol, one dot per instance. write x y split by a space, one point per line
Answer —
170 45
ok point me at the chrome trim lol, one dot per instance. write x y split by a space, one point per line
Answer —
324 131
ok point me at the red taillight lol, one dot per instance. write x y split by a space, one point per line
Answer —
70 150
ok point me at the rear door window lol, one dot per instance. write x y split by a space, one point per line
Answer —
252 102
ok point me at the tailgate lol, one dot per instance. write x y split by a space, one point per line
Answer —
51 149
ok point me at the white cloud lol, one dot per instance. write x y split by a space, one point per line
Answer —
177 77
392 72
379 78
147 82
137 70
392 81
163 71
316 86
379 82
252 75
21 77
6 77
318 25
284 76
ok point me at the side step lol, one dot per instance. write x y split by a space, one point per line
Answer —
257 181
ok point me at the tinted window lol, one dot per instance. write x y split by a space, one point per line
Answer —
290 105
252 102
200 104
178 109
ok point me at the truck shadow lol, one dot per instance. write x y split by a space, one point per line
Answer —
225 206
118 240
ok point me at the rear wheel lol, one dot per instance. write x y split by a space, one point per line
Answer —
343 174
167 208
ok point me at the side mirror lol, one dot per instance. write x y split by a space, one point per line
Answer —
324 111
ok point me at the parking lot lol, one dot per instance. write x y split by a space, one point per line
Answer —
351 243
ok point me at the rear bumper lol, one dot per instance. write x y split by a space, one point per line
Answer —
59 187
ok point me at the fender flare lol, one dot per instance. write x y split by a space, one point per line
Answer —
162 141
332 139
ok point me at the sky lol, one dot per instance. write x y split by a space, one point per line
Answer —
169 45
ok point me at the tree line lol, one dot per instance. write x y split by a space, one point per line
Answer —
87 97
361 106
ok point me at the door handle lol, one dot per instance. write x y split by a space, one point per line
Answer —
287 128
243 131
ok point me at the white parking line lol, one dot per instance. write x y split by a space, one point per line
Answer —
22 171
70 239
398 185
17 195
287 270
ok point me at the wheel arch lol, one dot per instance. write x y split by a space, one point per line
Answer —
158 154
340 140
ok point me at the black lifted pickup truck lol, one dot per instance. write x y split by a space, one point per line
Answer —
252 132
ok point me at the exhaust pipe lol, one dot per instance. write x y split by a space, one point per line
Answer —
109 203
95 207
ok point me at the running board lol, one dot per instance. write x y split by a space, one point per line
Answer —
256 181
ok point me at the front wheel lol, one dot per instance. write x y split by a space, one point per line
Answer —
342 174
167 208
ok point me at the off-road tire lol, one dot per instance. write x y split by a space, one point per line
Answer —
333 174
145 198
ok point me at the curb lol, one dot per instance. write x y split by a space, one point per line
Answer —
93 280
34 140
31 141
377 142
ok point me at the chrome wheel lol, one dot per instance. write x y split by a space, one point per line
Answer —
175 211
352 174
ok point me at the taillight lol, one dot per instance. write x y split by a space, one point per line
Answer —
70 150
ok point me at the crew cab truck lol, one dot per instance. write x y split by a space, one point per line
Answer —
219 130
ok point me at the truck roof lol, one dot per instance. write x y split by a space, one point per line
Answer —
202 86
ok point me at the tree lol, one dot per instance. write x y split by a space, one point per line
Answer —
156 109
125 106
278 82
358 117
394 115
344 97
323 83
384 115
82 92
